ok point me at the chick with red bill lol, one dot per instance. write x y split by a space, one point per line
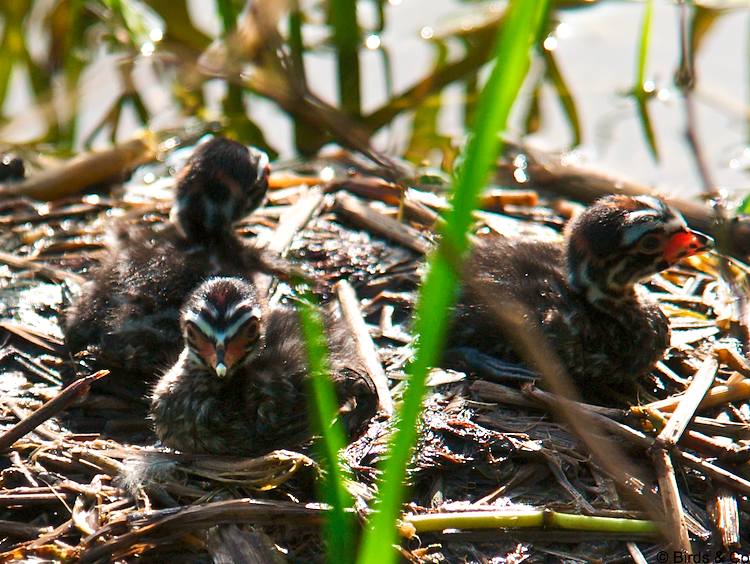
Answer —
584 293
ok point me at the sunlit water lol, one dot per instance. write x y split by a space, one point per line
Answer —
595 48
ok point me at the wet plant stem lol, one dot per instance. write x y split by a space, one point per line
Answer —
543 518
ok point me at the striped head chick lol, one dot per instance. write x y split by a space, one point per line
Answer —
222 326
222 182
621 240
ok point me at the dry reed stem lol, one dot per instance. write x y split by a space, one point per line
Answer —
84 170
54 406
289 224
670 496
280 181
365 347
357 211
636 554
689 403
711 470
32 336
231 544
716 396
183 520
723 511
49 272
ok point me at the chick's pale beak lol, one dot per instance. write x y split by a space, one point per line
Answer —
220 367
685 244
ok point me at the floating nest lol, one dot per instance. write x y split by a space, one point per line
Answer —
492 442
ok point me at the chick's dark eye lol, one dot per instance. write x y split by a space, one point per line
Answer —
650 243
252 329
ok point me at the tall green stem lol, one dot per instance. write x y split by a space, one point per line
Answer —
511 56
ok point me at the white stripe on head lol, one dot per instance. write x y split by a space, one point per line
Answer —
613 273
634 216
633 234
262 164
667 220
211 309
232 329
652 202
198 321
221 336
244 303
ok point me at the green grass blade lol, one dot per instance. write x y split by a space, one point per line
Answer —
227 14
641 104
307 139
643 45
565 96
641 95
346 37
70 34
13 44
339 529
438 291
533 120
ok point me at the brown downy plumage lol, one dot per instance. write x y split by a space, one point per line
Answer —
239 386
127 315
582 293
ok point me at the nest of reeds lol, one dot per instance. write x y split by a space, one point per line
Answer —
492 449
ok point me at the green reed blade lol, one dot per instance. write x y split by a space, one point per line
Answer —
511 58
346 37
564 95
339 528
227 14
644 43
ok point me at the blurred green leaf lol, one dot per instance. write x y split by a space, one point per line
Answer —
641 95
307 139
143 25
471 96
563 93
227 14
67 24
238 125
744 207
644 118
532 120
12 46
180 32
346 38
339 531
478 51
648 12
